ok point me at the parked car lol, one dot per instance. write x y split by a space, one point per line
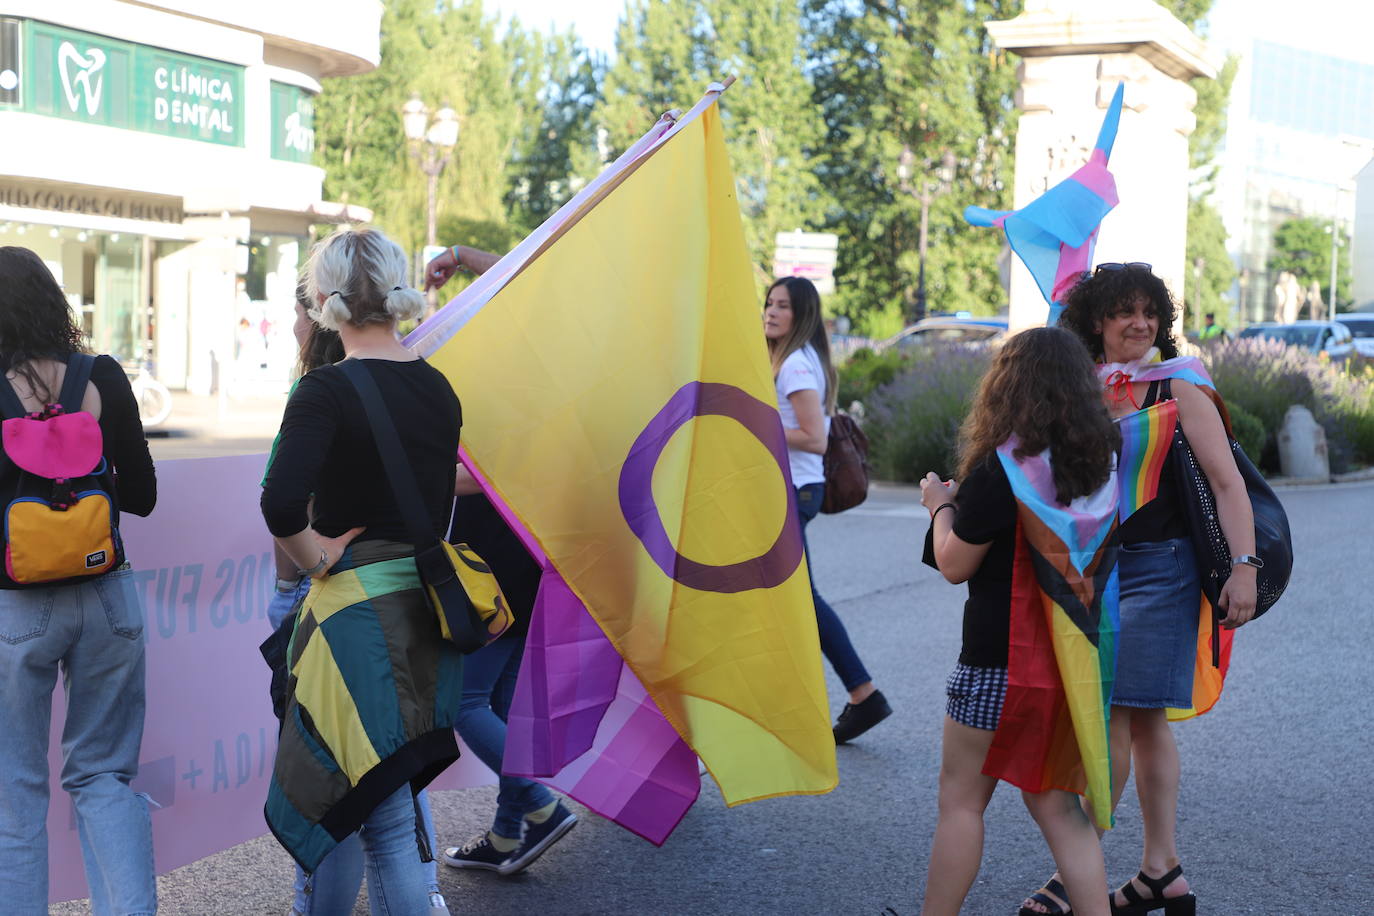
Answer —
941 331
1330 337
1361 324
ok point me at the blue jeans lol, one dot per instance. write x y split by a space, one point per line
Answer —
488 686
839 651
333 887
93 633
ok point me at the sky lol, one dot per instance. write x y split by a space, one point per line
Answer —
1342 28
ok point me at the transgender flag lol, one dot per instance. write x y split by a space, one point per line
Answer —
1054 234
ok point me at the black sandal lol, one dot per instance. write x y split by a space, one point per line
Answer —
1051 907
1182 905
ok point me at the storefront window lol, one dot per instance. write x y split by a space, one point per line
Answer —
103 276
265 309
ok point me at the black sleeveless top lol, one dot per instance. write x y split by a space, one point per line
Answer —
1161 519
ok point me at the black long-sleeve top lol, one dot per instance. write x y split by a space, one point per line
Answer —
326 449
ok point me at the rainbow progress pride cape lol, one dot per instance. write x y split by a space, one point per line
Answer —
619 406
1061 660
1054 234
1146 436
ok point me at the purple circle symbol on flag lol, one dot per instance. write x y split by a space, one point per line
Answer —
703 399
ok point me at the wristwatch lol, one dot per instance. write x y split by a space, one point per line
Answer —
316 569
1249 559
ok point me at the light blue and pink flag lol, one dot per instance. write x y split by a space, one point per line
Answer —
1054 234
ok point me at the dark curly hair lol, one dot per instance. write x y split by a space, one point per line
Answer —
35 320
1100 293
1042 387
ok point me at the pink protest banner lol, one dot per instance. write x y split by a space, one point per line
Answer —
204 571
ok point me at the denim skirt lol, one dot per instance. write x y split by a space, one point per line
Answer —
1157 649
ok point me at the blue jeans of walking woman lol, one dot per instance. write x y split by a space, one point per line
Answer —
835 644
93 634
489 676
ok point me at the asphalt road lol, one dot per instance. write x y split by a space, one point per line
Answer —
1274 816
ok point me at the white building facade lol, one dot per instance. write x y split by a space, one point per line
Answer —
1300 124
158 156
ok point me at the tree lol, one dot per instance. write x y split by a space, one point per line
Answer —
668 51
1302 247
925 76
522 100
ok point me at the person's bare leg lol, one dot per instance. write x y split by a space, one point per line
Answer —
957 849
1119 732
1076 849
861 693
1157 776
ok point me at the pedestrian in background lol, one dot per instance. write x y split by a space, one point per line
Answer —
1037 406
805 382
89 630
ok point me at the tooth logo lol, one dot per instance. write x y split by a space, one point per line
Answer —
86 75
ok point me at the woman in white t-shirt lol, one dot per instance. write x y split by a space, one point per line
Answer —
805 382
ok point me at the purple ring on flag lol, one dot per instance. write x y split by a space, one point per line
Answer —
703 399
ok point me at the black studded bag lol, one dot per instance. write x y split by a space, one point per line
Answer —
1273 540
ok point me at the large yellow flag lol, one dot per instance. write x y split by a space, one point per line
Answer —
618 396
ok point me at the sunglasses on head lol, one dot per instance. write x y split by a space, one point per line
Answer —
1116 265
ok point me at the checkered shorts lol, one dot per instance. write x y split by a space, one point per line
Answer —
976 695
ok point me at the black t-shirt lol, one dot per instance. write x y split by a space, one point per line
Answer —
1160 519
477 524
326 448
986 513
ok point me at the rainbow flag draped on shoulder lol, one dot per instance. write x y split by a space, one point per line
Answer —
619 408
1061 660
1146 436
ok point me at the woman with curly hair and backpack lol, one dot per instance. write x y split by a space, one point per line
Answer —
82 621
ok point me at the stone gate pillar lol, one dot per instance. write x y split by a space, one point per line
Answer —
1073 53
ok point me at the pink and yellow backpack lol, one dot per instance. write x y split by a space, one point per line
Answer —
56 487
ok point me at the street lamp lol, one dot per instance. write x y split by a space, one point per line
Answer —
431 144
926 193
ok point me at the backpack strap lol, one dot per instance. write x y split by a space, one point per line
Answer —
394 461
10 405
79 366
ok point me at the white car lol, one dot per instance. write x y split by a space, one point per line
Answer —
1361 324
1330 337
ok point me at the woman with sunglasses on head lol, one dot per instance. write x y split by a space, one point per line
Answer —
1124 314
805 381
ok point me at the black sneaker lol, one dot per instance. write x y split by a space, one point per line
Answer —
859 718
538 838
476 853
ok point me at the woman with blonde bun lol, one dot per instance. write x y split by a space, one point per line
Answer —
374 689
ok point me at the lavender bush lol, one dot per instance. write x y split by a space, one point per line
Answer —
913 421
1264 378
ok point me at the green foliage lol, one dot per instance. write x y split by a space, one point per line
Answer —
1302 246
924 75
913 422
866 371
522 101
1248 430
1207 243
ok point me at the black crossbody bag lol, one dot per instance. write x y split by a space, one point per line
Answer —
1273 539
460 587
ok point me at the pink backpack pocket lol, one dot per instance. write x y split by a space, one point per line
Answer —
61 447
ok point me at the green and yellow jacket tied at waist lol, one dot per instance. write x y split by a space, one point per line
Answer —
372 697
